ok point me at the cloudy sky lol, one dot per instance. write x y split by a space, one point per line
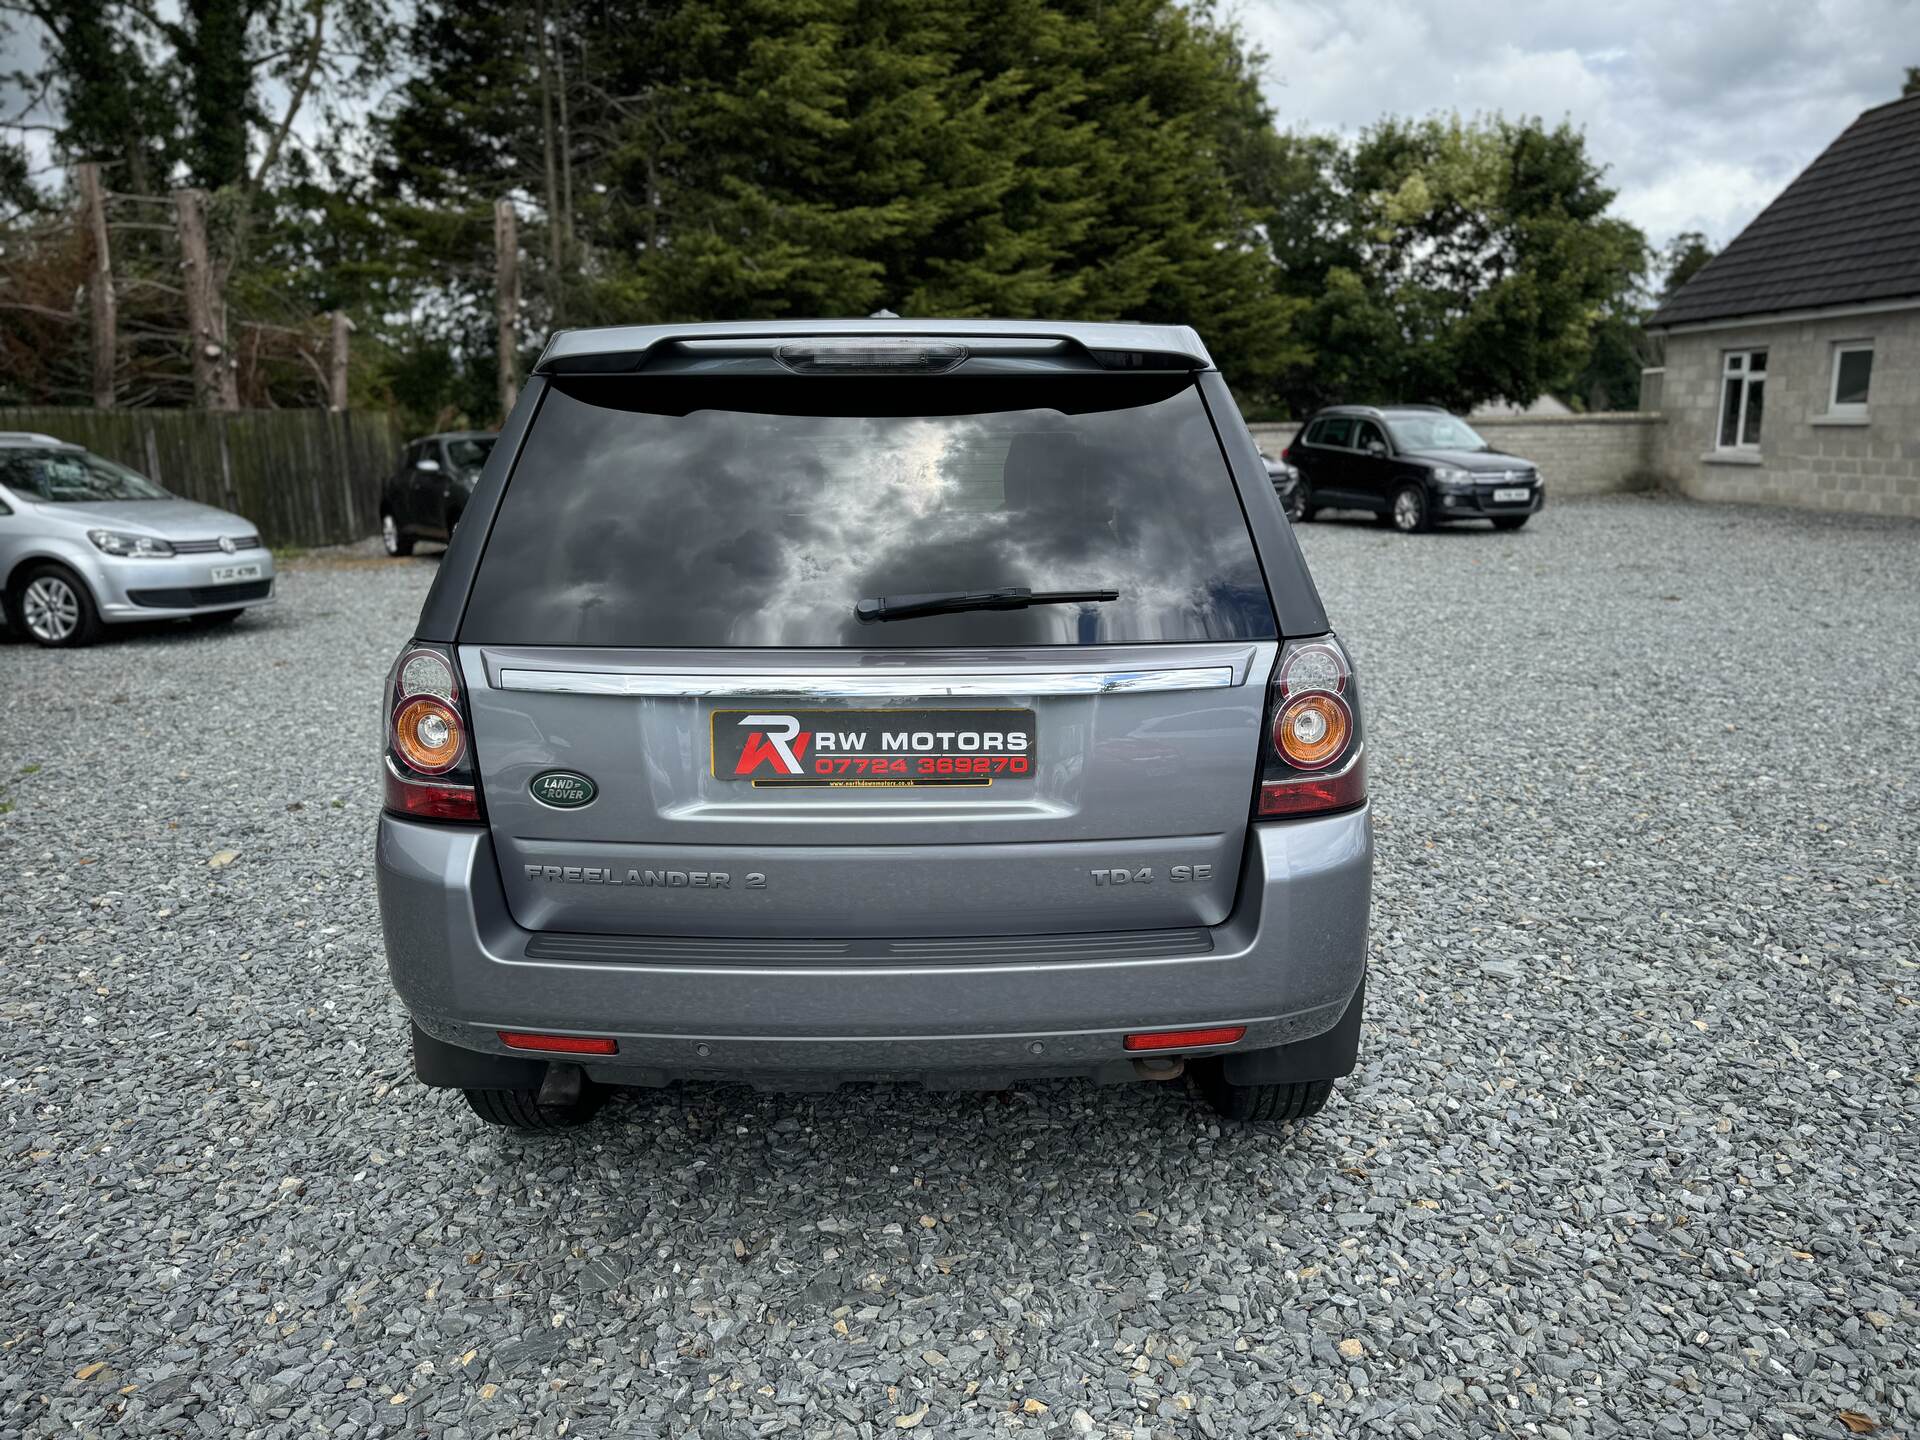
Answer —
1702 111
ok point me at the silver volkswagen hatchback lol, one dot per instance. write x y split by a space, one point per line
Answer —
85 542
808 702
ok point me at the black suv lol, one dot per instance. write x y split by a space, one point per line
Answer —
423 498
1412 465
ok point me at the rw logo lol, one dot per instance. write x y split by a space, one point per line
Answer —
777 740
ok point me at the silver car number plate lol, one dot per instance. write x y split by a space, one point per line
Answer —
1519 493
223 574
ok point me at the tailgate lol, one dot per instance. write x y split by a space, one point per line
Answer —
771 793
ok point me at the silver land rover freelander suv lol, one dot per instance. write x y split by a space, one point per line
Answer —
803 702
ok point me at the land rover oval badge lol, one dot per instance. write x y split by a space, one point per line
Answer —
562 789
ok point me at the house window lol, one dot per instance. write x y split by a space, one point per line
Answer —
1743 394
1852 375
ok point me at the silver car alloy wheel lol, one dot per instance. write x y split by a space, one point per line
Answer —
390 534
1406 510
51 609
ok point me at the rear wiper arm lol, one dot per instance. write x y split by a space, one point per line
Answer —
947 602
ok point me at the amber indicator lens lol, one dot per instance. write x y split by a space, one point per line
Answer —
426 734
1313 729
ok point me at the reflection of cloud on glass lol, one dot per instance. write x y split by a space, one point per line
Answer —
740 528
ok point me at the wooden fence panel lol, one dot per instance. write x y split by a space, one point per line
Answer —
304 477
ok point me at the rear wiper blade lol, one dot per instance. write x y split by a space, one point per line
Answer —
947 602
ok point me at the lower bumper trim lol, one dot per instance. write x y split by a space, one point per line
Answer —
938 950
191 597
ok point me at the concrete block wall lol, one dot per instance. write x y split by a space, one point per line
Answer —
1802 459
1602 454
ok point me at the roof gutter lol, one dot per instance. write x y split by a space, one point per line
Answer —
1781 317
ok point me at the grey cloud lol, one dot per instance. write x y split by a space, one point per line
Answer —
1702 113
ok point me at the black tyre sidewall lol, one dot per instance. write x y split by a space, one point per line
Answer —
522 1110
85 632
1426 510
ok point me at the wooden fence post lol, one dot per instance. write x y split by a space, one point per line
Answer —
506 278
214 384
100 299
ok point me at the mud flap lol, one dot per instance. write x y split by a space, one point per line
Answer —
435 1062
1324 1057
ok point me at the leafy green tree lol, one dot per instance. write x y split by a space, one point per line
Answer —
1686 255
732 158
1455 262
107 93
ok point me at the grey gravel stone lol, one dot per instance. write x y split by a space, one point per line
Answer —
1631 1150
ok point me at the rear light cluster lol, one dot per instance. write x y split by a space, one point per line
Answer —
429 769
1313 760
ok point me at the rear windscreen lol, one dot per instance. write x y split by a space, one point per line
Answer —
733 512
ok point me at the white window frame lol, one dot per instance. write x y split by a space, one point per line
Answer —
1835 410
1746 375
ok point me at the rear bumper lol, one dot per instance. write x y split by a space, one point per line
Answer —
1285 964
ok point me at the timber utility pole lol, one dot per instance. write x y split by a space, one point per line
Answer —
100 301
341 328
215 387
506 300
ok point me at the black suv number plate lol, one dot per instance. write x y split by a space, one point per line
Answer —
873 748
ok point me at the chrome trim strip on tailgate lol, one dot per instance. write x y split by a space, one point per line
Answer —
833 685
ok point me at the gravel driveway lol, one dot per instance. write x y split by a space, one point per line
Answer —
1634 1148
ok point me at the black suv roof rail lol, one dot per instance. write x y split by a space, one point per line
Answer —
1376 409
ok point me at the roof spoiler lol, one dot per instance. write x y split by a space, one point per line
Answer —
888 348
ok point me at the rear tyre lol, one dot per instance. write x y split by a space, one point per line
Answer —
1510 522
214 619
1264 1104
522 1110
1300 508
390 536
54 608
1408 513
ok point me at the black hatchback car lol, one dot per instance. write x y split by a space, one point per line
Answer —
423 498
1412 465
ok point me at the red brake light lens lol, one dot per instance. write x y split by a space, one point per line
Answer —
1314 794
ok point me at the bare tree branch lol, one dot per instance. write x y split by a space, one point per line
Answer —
315 41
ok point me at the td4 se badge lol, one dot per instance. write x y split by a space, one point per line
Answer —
1143 875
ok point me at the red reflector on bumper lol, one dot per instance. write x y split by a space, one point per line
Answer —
559 1044
1182 1039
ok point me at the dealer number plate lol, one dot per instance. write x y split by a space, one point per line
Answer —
222 574
873 748
1502 496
